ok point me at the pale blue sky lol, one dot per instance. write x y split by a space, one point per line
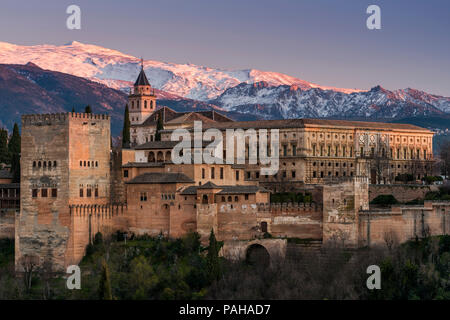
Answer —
325 42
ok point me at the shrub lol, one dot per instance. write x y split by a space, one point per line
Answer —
384 199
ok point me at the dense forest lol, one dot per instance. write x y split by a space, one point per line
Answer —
161 268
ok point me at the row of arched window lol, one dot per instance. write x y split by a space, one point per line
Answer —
44 164
88 163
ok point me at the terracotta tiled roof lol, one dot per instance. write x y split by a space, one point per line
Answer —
160 178
143 165
192 190
164 145
305 123
6 174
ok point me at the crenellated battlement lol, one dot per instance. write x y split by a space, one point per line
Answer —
59 118
92 116
104 211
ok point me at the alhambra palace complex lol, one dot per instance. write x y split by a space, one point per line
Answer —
73 185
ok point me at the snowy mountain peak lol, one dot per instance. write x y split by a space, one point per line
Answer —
119 70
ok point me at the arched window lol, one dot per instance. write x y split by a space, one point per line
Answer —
205 199
45 164
39 164
223 199
230 199
145 104
34 164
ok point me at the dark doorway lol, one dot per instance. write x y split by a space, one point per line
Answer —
373 176
257 256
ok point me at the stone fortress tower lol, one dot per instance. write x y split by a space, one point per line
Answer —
65 162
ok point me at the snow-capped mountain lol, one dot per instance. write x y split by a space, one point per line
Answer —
119 70
295 102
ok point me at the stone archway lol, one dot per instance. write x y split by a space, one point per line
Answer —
257 255
151 156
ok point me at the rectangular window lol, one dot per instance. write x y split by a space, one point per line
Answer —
257 174
125 173
314 150
88 192
143 196
81 193
44 193
293 174
249 174
221 173
212 173
237 175
54 193
285 150
294 149
34 193
246 196
203 173
96 192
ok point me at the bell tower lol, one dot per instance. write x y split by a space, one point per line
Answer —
142 99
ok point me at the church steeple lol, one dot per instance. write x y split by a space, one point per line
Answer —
142 101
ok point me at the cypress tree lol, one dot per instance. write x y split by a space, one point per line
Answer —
73 109
212 258
159 127
4 153
104 288
14 142
126 128
88 109
15 167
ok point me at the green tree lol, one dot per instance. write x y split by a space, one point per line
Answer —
4 153
142 278
15 167
159 127
212 258
14 142
88 109
104 288
126 128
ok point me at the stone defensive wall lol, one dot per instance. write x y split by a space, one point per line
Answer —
247 221
402 223
60 118
88 220
7 223
401 192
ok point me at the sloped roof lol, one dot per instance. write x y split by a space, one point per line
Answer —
6 174
192 190
142 79
165 145
190 118
305 123
143 165
160 178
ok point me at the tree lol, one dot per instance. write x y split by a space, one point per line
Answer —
445 158
15 167
88 109
4 153
159 127
126 128
104 288
29 264
73 109
14 142
212 258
